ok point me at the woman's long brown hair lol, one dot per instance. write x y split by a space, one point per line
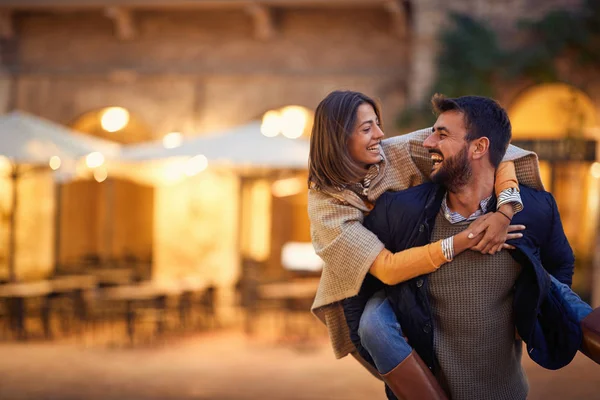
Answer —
329 162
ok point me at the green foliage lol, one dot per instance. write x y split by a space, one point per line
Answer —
471 60
468 59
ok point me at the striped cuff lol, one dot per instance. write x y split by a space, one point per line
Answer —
448 248
510 195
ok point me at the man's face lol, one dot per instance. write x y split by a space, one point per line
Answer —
449 151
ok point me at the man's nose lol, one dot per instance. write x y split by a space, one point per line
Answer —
429 143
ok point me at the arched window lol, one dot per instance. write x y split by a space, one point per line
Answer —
113 123
560 123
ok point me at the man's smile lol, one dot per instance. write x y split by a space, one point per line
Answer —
437 158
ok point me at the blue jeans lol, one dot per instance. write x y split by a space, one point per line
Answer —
580 307
380 334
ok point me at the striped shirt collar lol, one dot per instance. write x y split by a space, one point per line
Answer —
362 188
454 218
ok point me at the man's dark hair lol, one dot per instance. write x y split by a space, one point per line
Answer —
483 117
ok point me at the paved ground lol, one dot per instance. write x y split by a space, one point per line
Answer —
220 366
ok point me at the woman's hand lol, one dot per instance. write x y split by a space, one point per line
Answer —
497 232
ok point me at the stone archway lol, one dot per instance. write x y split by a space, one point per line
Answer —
554 111
98 123
561 124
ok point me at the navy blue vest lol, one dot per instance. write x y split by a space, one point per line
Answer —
543 319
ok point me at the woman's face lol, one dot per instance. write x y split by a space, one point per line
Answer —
364 145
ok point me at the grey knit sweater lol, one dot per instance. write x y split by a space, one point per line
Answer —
474 333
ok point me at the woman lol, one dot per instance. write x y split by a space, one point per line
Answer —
350 166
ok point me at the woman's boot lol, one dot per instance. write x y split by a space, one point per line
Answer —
411 379
590 326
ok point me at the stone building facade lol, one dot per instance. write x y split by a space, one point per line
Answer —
201 65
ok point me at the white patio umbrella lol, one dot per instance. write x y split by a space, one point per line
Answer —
28 139
239 147
33 141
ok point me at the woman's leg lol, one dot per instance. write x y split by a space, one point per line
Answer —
588 317
380 334
400 367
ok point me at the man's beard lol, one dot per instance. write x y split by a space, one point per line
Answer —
454 172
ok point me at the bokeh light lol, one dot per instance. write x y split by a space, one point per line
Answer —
595 170
55 162
195 165
271 124
287 187
172 140
293 121
114 119
94 160
100 174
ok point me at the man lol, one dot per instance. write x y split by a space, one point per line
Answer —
461 319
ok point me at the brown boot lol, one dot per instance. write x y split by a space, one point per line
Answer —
591 335
411 379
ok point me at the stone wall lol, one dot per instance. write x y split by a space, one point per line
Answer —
203 70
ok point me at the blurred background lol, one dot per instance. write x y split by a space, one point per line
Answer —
154 240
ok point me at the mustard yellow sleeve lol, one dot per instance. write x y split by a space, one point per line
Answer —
392 268
506 177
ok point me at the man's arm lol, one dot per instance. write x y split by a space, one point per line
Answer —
556 253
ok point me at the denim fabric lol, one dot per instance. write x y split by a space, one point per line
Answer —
580 307
381 335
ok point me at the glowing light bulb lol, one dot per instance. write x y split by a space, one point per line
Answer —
55 162
271 124
114 119
94 160
294 120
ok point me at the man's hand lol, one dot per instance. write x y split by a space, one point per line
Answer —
497 232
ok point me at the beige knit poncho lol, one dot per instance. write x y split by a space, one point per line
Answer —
348 248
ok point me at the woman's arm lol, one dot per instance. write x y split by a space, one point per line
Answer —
495 225
350 250
393 268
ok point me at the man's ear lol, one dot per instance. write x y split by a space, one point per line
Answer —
480 147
